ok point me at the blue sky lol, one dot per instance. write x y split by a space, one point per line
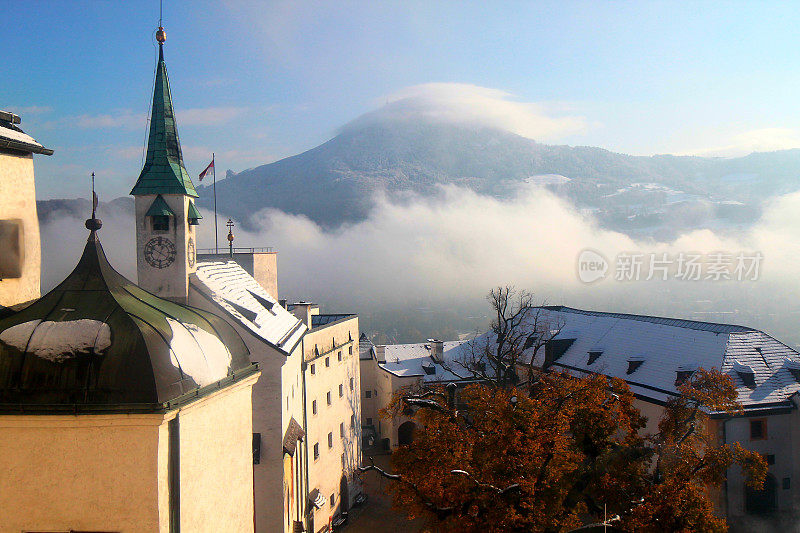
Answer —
256 81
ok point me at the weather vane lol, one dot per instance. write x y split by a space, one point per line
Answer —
94 223
229 223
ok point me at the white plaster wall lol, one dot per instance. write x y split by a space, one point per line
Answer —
325 472
18 201
172 281
87 473
216 461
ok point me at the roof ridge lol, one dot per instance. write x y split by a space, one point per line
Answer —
716 327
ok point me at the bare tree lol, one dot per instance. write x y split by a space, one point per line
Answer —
519 331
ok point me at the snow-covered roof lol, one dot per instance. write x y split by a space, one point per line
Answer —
664 346
407 360
365 347
12 136
241 296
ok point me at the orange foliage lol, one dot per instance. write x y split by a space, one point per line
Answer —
559 455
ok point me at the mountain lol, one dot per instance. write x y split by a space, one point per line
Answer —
81 208
335 182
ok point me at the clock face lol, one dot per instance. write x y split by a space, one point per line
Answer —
159 252
191 252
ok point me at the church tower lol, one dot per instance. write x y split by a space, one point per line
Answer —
163 195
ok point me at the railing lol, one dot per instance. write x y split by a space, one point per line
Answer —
225 250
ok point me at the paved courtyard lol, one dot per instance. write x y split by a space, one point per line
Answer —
377 516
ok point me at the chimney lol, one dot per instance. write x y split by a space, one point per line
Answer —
304 311
437 350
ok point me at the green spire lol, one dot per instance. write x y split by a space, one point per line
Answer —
163 171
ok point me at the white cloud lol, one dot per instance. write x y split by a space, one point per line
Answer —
450 251
758 140
466 103
209 116
125 118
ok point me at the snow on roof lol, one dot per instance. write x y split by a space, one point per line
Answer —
672 345
407 360
365 347
238 293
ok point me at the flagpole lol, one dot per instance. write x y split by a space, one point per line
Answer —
216 232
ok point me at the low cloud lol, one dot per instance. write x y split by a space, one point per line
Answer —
759 140
472 104
448 252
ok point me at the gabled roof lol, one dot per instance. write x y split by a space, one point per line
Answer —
294 433
193 212
159 207
12 137
163 171
408 360
241 297
669 345
99 342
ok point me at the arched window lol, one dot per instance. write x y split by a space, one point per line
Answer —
405 433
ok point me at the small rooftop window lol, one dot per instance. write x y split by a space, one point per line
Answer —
746 374
530 341
793 366
429 368
594 355
684 373
634 363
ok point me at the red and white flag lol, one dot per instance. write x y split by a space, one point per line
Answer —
209 169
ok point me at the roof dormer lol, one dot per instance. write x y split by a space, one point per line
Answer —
746 374
684 373
634 362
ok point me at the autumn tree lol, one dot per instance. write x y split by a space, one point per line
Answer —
564 452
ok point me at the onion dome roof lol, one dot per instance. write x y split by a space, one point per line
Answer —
99 342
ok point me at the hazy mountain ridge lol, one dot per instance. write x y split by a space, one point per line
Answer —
334 183
80 208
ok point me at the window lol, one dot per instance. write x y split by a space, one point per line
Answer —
369 421
327 361
341 429
256 448
770 459
341 390
314 407
12 242
329 397
351 383
342 461
758 429
161 223
350 350
352 421
786 483
339 355
313 369
594 356
330 440
333 500
316 451
369 394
